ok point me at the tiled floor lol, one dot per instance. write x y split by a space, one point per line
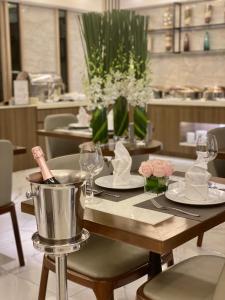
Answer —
23 283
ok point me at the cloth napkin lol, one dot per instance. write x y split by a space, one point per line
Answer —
83 117
121 165
196 180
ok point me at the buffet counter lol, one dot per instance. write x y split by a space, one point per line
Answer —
173 120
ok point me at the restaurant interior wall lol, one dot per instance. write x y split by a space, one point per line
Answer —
195 67
81 5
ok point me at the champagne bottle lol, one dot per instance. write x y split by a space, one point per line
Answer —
38 155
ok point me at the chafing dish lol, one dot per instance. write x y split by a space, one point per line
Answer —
211 93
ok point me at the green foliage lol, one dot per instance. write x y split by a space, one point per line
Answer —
115 41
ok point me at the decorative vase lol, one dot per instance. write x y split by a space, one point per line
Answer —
99 125
155 184
120 116
140 122
206 42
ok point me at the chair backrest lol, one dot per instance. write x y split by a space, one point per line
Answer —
220 287
72 162
6 169
56 146
217 166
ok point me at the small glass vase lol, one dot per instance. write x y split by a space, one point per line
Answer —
99 125
155 184
120 116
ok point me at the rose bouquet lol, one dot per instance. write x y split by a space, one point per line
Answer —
156 173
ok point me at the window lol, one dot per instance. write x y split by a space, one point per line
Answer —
63 46
14 38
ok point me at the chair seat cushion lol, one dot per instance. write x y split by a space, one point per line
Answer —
105 258
192 279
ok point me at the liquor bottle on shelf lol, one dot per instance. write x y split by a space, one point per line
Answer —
186 43
206 42
47 175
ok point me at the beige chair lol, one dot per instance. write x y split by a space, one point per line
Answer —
197 278
103 264
217 166
55 146
6 205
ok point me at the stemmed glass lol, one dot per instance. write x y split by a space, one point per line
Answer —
92 162
206 148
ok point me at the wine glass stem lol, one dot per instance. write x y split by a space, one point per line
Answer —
91 180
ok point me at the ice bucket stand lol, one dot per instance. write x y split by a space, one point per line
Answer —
60 252
56 234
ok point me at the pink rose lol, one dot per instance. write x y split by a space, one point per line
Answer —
156 167
145 169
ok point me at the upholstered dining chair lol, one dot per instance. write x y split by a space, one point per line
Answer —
104 264
217 166
6 204
55 146
197 278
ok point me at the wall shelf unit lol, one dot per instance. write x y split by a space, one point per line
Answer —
195 31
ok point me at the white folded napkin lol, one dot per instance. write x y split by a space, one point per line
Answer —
83 117
121 165
196 181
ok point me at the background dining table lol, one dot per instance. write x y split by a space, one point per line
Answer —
159 239
83 136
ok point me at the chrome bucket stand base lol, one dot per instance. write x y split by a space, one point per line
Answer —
60 252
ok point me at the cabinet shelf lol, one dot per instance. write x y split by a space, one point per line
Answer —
189 53
178 28
201 27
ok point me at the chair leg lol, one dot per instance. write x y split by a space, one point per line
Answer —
103 292
17 235
200 239
43 281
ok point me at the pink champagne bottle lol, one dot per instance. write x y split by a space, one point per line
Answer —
38 155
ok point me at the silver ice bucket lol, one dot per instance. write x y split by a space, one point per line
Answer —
59 208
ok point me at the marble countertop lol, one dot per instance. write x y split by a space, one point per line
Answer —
42 105
179 102
168 101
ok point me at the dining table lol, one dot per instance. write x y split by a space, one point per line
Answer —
19 150
85 135
221 154
132 218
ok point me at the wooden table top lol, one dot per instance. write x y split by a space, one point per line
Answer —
107 149
160 238
221 154
19 150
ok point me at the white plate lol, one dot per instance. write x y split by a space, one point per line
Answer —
136 181
77 126
176 193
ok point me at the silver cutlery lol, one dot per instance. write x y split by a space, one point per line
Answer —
159 206
98 192
212 185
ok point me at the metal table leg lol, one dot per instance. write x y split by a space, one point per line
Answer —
61 281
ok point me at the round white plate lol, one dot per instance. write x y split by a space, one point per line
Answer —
136 181
176 193
77 126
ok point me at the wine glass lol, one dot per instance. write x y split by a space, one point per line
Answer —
206 148
92 162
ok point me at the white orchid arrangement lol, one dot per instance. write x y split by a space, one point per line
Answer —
103 92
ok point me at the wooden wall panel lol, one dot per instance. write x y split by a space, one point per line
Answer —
166 120
19 126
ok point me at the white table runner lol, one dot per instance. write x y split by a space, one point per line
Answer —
126 209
